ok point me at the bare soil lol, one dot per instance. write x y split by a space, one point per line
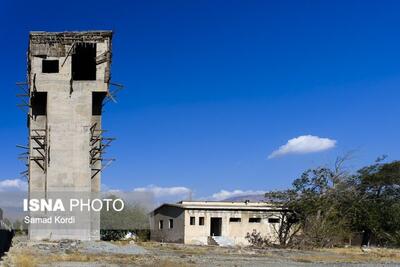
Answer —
74 254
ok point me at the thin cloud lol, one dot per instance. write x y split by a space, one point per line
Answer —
13 185
178 193
225 194
158 191
303 145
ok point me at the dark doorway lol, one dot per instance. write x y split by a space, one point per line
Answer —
216 226
84 62
39 103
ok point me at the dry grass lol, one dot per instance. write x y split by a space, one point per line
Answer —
178 248
168 255
351 255
80 257
170 263
25 260
197 250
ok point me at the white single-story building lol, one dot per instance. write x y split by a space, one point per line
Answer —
214 222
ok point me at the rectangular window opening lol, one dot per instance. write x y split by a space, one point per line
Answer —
97 102
39 103
235 219
192 220
171 223
254 220
50 66
201 220
161 224
273 220
84 62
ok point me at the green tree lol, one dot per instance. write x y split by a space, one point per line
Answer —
331 206
116 224
376 209
316 200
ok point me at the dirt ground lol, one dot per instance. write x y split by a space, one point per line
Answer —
74 254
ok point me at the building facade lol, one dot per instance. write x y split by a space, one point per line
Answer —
208 222
68 79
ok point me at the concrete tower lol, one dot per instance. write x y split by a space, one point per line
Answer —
68 80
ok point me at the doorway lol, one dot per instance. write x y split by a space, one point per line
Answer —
216 226
84 62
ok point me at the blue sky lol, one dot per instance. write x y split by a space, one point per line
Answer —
214 87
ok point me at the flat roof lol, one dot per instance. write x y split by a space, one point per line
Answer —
223 205
71 32
69 37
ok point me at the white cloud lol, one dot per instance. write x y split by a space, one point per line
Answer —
13 185
105 188
177 193
224 194
158 191
302 145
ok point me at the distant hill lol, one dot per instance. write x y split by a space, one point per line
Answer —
252 198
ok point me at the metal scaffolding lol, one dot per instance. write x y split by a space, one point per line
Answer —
39 146
98 144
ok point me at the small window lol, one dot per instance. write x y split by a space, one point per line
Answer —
254 220
97 102
171 223
192 220
235 219
50 66
273 220
161 224
201 220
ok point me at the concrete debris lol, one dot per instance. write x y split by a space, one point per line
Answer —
107 247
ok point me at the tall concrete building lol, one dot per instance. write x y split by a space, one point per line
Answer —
68 82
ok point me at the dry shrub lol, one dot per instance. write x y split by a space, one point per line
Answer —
256 240
350 255
170 263
25 260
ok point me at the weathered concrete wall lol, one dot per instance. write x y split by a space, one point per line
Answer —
236 231
184 232
174 235
68 121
